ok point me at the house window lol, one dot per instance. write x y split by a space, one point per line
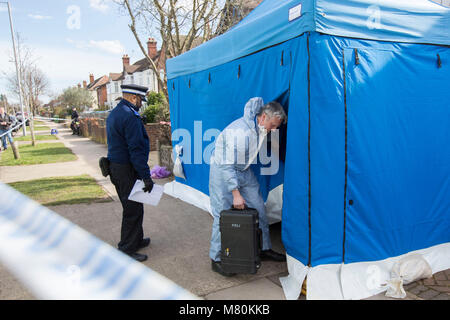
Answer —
116 86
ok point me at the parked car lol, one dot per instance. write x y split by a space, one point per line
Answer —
14 123
19 117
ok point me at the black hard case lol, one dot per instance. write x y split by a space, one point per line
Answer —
241 240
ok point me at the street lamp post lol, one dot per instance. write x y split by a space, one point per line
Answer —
17 69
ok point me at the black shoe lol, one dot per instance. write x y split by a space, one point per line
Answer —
138 257
144 243
216 266
272 255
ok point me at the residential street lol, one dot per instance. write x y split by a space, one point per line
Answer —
314 133
179 232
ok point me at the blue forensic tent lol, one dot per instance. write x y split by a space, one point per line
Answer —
364 161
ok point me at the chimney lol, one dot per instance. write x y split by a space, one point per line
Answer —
84 84
151 46
125 60
91 78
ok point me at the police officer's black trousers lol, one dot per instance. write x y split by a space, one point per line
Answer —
123 176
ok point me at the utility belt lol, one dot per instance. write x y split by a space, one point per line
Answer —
104 166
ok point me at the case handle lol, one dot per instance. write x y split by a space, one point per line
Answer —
235 209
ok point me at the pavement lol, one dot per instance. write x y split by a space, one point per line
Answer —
180 235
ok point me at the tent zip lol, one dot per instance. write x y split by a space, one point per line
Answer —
356 57
346 157
309 149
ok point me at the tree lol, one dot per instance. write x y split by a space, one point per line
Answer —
234 11
34 82
156 109
9 108
181 24
76 97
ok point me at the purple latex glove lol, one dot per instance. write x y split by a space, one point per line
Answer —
159 172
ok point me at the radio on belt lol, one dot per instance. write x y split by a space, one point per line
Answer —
241 240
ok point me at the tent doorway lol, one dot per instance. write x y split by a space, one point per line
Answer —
272 185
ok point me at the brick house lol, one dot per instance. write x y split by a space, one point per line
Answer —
139 73
97 88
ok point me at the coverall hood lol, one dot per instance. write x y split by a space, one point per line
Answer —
251 109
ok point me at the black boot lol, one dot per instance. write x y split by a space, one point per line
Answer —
216 266
144 243
138 257
272 255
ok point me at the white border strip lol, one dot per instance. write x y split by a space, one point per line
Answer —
200 200
354 280
188 194
133 91
55 259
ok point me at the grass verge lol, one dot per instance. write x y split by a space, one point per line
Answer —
63 190
39 154
37 137
40 128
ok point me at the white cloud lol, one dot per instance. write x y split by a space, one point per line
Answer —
39 17
100 5
110 46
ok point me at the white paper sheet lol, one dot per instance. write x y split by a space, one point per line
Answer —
151 198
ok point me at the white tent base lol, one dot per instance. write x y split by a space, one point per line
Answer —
354 280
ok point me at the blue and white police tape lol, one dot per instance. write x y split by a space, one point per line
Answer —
50 119
56 259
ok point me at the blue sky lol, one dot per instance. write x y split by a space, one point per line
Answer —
70 39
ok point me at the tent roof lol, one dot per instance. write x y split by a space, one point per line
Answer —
276 21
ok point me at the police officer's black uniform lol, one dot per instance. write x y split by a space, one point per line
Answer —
74 120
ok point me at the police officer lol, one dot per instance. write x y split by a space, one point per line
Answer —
128 150
74 120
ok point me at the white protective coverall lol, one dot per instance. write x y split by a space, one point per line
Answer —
236 148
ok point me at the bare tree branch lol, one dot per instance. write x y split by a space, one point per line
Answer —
34 82
150 60
181 24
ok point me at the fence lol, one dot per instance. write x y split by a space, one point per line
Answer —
95 128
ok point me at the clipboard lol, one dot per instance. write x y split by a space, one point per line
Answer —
152 198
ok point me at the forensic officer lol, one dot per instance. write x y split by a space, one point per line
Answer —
128 150
232 182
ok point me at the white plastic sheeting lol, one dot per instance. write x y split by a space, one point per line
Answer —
199 199
357 280
177 163
408 269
